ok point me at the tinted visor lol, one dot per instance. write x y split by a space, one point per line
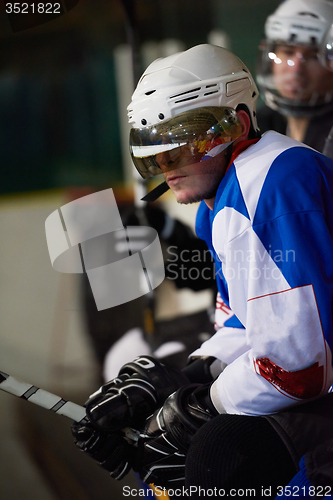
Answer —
326 51
185 139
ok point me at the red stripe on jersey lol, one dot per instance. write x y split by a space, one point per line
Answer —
303 384
222 306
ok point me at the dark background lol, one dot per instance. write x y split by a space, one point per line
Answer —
58 102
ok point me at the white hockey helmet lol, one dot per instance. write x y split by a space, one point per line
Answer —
296 23
180 97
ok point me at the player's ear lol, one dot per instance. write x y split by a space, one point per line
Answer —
246 124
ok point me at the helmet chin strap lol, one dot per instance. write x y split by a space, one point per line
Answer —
156 192
228 152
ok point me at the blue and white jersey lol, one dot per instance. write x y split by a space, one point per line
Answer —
271 234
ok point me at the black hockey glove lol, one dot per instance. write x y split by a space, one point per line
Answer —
140 388
203 369
163 444
111 451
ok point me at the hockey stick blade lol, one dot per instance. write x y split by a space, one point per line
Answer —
51 402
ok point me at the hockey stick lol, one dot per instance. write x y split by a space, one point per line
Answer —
52 402
41 398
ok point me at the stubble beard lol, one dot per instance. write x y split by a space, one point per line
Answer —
207 195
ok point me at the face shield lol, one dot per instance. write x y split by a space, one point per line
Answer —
326 50
293 79
185 139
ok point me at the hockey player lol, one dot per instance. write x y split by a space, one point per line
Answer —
294 74
253 398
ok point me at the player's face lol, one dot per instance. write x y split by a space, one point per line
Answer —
192 182
298 73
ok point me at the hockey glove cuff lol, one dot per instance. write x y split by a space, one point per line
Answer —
111 451
166 438
140 388
203 369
